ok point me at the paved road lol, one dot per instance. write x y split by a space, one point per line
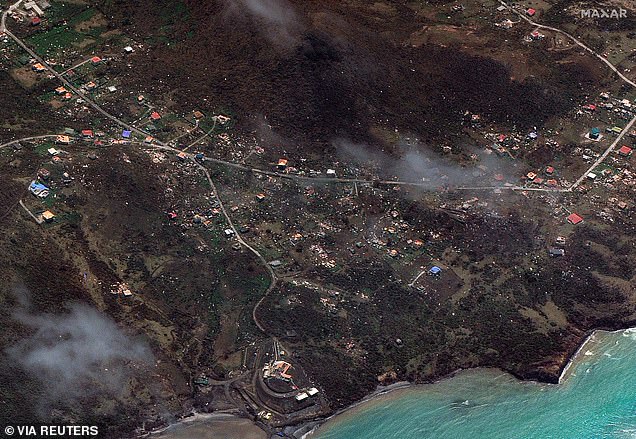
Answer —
63 80
575 40
157 143
611 148
606 153
161 145
270 270
27 139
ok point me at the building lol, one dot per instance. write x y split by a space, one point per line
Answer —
301 396
434 270
63 140
112 89
280 368
530 12
549 170
313 391
126 134
31 5
60 90
128 49
39 190
155 116
282 164
595 133
44 173
331 173
48 216
574 219
260 197
591 176
96 60
198 115
87 134
38 67
625 151
555 252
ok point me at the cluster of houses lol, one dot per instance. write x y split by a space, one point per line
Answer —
283 166
277 369
548 178
31 11
121 289
42 191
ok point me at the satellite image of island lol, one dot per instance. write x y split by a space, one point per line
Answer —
318 219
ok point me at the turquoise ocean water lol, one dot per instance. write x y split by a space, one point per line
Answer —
596 399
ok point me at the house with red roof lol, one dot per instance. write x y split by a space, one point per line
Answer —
549 170
87 134
35 21
530 12
574 219
625 151
155 116
96 60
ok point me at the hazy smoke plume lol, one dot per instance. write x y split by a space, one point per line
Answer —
276 20
417 163
78 353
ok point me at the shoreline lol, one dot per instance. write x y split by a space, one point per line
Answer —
210 425
379 391
306 430
589 337
384 390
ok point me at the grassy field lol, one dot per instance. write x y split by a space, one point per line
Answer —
64 35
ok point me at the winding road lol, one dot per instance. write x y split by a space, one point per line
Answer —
156 144
574 39
165 146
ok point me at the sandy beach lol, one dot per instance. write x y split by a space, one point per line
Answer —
212 426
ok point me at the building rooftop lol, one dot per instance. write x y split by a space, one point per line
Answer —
574 219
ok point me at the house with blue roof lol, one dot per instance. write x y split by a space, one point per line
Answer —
39 190
434 270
